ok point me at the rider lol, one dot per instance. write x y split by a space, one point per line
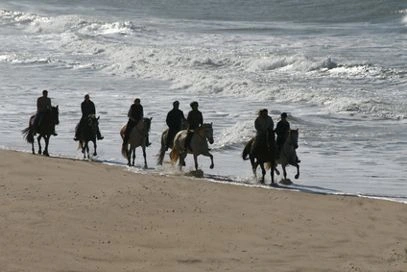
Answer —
87 108
195 120
43 106
282 131
174 120
264 128
135 114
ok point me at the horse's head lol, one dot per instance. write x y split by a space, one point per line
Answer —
92 121
147 123
55 115
293 137
207 131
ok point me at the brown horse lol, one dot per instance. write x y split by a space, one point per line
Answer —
138 137
45 129
264 152
198 145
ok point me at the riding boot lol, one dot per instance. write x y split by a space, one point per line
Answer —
54 133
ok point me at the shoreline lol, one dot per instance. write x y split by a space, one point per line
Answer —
227 179
68 215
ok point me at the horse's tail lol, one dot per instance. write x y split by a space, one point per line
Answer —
124 150
174 155
28 134
163 147
247 149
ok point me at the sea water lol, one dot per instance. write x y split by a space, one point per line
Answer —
338 68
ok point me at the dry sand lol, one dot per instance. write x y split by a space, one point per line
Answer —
65 215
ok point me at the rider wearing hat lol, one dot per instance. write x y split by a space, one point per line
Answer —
195 120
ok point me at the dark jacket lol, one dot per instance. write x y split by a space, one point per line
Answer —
174 120
88 107
263 125
282 129
43 104
136 113
195 119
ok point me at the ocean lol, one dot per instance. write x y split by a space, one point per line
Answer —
338 68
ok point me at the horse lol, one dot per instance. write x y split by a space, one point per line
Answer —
198 145
265 152
45 129
165 144
88 134
137 138
288 154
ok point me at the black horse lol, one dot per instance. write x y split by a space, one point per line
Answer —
88 134
45 129
260 153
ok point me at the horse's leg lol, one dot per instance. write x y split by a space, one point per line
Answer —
133 150
211 157
39 144
182 160
298 171
84 150
32 147
145 157
196 161
94 148
272 173
263 172
46 138
254 165
284 171
128 152
87 150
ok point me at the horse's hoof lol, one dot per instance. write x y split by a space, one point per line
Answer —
297 176
211 167
95 154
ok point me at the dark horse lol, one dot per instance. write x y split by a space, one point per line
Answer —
44 129
265 151
288 153
88 134
287 156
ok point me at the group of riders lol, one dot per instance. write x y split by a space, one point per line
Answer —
175 120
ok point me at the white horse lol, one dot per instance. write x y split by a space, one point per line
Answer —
138 137
198 145
165 144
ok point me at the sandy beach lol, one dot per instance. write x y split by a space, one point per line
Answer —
66 215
